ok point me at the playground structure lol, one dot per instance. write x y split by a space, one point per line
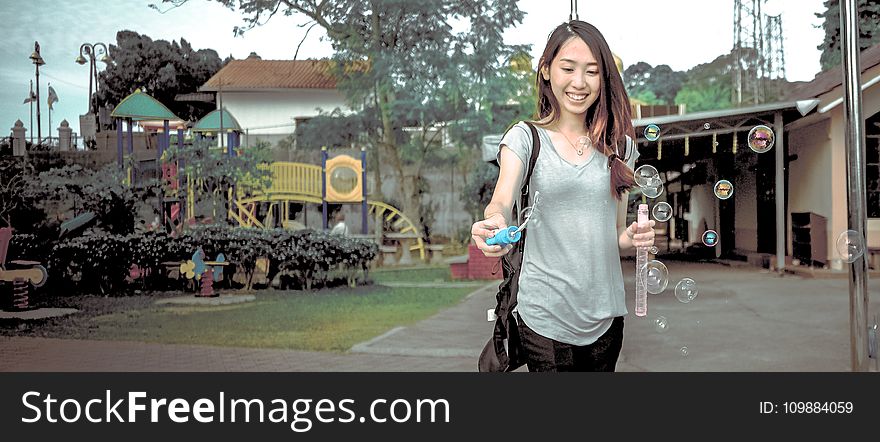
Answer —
338 180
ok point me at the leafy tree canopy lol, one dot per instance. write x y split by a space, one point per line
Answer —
653 85
869 30
160 68
427 65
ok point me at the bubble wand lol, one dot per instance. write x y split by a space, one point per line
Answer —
513 234
642 266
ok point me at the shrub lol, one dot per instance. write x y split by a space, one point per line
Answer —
101 263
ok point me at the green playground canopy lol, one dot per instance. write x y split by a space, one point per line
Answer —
140 106
211 122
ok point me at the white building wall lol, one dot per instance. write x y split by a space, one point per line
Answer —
270 114
810 176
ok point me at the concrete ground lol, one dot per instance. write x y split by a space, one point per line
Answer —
743 319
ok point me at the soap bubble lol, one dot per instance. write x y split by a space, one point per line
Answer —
530 216
652 132
661 324
761 139
657 276
654 250
707 126
652 192
710 238
850 245
686 290
723 189
645 175
662 211
684 351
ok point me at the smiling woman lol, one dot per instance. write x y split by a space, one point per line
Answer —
568 294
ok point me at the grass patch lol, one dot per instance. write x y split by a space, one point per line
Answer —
325 320
414 274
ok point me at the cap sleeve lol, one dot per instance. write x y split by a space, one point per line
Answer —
519 140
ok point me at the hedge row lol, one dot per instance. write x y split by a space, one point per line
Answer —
102 263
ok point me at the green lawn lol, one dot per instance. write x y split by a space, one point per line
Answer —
324 320
415 274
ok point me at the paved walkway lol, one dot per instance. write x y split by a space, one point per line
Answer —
744 319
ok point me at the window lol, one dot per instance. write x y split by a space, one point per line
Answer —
872 174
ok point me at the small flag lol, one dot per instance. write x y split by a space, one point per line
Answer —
53 97
32 97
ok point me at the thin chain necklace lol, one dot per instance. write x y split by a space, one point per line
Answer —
580 151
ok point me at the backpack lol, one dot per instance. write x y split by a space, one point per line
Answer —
496 356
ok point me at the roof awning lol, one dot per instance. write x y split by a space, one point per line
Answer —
217 121
675 127
140 106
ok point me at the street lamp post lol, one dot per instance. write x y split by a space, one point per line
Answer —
91 50
38 61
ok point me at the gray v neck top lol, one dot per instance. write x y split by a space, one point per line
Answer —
571 283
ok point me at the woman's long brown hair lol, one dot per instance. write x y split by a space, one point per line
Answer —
609 119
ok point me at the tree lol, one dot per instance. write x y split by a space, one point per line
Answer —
708 86
653 85
665 83
213 172
163 69
401 65
704 97
869 30
636 76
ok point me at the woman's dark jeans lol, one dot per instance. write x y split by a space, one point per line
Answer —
545 354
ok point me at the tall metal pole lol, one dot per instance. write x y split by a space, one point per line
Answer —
364 190
324 187
37 59
91 50
48 85
779 148
39 125
91 76
30 95
855 157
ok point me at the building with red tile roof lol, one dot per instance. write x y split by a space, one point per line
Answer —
269 97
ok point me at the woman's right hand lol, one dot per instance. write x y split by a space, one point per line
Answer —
485 229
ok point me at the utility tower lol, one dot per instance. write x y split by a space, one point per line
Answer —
775 51
757 51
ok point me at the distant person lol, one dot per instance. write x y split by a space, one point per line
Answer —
339 228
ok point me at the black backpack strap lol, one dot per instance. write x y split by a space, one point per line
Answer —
536 149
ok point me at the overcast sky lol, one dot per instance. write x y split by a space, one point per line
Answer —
680 33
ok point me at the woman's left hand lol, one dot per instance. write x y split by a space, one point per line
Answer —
641 236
